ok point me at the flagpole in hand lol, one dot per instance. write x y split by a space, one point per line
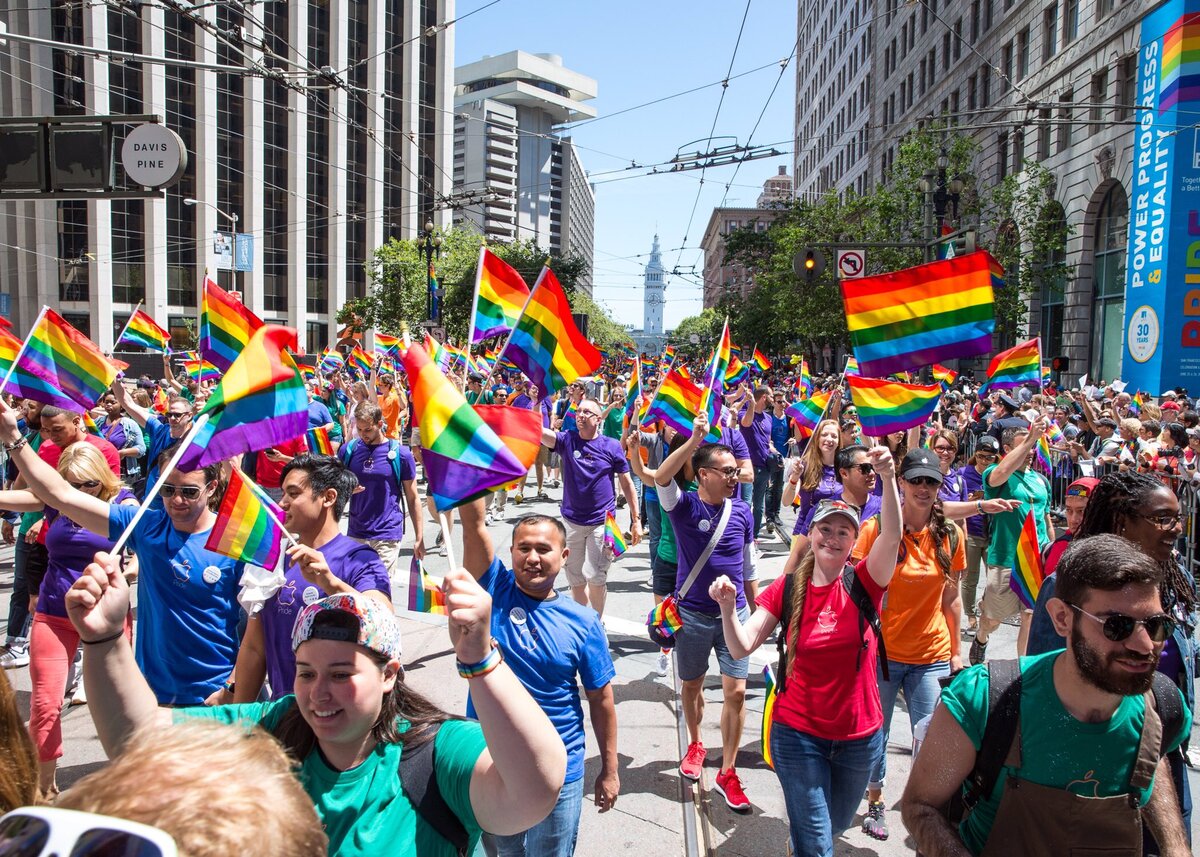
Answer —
24 346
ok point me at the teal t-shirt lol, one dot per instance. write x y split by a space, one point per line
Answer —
364 810
1032 490
1089 759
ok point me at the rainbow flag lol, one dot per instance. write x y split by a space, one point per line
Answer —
665 616
467 451
852 366
70 370
359 362
684 372
226 325
805 380
736 372
319 442
1013 367
760 361
943 376
22 383
1042 452
144 331
570 420
768 715
161 400
245 529
545 344
425 593
1056 435
920 315
613 539
713 388
888 406
668 355
648 365
632 391
308 373
261 402
385 343
677 402
808 412
331 361
1045 374
500 295
1028 572
201 370
188 355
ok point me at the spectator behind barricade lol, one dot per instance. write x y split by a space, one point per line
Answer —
19 773
1168 461
1042 635
1004 413
179 780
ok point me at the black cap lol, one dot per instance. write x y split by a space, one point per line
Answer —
987 443
1107 421
1009 402
475 376
921 462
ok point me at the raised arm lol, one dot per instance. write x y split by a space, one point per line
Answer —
20 501
1016 456
673 462
478 548
881 559
740 639
172 382
136 412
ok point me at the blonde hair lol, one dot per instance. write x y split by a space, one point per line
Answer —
19 773
1151 411
218 790
142 397
814 465
1131 425
85 463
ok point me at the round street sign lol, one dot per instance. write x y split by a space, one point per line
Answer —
153 156
850 264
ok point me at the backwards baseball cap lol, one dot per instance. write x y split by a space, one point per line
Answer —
1107 421
921 462
350 618
1083 486
829 508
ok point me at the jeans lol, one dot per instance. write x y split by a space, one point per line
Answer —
18 603
762 478
919 682
774 491
653 523
823 783
554 836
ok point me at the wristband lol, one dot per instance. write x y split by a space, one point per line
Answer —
793 481
229 686
494 658
108 639
13 447
979 506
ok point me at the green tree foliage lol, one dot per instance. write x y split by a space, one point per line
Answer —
706 327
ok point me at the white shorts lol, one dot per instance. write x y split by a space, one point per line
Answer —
588 560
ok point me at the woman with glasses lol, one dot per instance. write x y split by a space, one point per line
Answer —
53 640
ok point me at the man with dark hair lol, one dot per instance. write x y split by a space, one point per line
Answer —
1085 770
316 489
162 434
755 426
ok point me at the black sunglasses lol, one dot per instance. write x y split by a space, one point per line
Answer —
189 492
866 468
1118 626
89 485
923 480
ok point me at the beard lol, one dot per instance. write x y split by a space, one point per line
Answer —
1099 670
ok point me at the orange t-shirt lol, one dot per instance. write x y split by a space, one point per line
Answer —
390 404
914 627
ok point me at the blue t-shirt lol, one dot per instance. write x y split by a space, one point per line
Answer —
158 440
318 414
353 563
588 468
187 615
377 512
780 433
546 644
69 549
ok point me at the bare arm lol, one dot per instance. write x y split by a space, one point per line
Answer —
881 559
741 639
958 510
136 412
635 520
250 670
952 611
20 501
416 516
1162 814
316 570
673 462
1016 456
946 758
549 438
478 549
603 710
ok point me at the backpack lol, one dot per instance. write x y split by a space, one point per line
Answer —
1004 712
347 451
867 615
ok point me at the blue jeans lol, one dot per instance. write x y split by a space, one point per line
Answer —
823 783
919 682
555 835
762 479
653 522
18 603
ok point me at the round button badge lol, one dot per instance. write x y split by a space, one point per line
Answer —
211 574
311 594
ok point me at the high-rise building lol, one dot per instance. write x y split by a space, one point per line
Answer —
322 125
508 151
734 281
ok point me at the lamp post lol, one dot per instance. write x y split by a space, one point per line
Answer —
939 195
432 248
232 218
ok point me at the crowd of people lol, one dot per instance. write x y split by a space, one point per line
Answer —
898 570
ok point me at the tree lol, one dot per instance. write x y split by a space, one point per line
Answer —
706 327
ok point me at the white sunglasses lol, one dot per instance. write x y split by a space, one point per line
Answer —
42 831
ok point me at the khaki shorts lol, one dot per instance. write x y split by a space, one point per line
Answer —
389 553
589 560
999 601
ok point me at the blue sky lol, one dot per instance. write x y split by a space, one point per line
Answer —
639 52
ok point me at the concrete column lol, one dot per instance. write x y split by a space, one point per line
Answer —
253 142
154 100
205 98
95 33
339 171
298 178
373 202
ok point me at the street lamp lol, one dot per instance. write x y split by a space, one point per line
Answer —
939 194
232 218
432 247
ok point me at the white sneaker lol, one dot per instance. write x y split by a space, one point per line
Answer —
663 663
490 519
14 659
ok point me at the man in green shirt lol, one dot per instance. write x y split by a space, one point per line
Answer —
476 395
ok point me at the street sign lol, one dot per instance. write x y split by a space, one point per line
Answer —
153 156
851 264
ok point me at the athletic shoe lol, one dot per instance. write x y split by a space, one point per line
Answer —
543 496
978 653
874 824
78 696
489 520
693 761
554 483
663 663
730 786
437 543
620 502
14 659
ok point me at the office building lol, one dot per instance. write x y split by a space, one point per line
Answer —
723 281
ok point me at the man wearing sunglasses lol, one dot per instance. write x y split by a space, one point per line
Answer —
1086 768
161 434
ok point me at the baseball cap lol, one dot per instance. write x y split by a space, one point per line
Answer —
1167 394
921 462
987 443
475 376
350 618
1083 486
1107 421
1009 402
829 508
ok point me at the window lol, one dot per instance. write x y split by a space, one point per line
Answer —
1099 97
1070 21
1043 150
921 79
1050 31
946 52
954 107
1108 270
1126 86
1006 65
1023 54
1064 121
958 39
932 66
971 102
1052 283
1018 151
985 86
987 15
974 21
1105 7
1002 157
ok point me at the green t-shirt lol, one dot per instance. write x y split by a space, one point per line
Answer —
667 551
1088 759
614 422
337 410
364 810
484 397
1031 489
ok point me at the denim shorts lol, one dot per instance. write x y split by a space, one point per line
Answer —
695 641
662 576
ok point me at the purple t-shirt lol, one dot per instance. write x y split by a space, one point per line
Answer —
70 548
972 482
827 489
758 438
522 401
953 488
687 518
733 439
377 512
588 468
868 511
354 564
547 407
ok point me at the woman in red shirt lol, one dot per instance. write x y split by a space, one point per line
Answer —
827 726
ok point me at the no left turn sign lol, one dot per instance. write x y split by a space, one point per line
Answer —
850 264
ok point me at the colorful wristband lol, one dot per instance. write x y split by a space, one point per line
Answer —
494 659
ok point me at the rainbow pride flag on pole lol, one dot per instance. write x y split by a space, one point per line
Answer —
331 361
261 402
226 326
614 540
201 370
805 380
1028 571
1014 367
142 330
888 406
677 402
633 391
943 376
425 593
319 442
921 315
545 343
68 365
768 715
760 361
249 525
359 362
665 616
21 382
808 412
385 343
500 294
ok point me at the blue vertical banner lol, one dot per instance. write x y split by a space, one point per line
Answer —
1162 274
243 252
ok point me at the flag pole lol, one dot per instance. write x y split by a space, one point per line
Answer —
128 322
500 356
474 304
24 346
444 523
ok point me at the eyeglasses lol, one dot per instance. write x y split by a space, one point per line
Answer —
189 492
595 415
36 831
945 450
1118 626
727 472
923 481
1164 522
173 417
90 485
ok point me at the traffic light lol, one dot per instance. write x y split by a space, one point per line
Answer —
809 264
1059 364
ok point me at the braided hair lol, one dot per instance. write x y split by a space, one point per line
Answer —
1118 498
941 535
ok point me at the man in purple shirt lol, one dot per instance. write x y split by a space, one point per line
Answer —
756 429
589 462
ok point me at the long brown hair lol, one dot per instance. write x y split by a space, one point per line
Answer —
814 465
18 775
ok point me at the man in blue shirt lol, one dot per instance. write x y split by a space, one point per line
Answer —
548 640
161 435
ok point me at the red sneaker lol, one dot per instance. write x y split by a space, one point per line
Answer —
693 761
730 787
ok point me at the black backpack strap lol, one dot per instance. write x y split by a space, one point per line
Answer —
1169 703
781 638
867 615
1003 719
418 780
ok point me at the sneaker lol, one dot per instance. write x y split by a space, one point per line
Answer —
730 787
490 519
693 761
620 502
663 662
978 653
78 696
543 496
440 540
14 659
874 824
554 483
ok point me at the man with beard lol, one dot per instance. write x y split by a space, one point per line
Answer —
1085 768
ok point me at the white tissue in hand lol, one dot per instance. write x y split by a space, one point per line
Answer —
258 585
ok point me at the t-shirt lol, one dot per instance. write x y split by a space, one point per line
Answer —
914 627
267 473
318 414
731 555
588 468
731 436
522 401
1087 759
867 511
336 411
972 482
1032 490
827 489
546 644
187 617
953 488
364 810
827 693
158 441
780 433
547 406
50 452
353 563
390 405
614 422
377 512
70 548
758 438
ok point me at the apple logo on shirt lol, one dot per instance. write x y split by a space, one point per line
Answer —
827 620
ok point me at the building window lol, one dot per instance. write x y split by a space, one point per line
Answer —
987 15
1070 21
971 84
1043 152
1006 65
1126 86
1099 97
1018 151
1002 157
985 86
946 52
958 39
1050 31
1064 121
1052 283
1108 269
974 21
1105 7
1023 54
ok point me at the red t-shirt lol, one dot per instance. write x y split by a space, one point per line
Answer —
267 472
825 694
